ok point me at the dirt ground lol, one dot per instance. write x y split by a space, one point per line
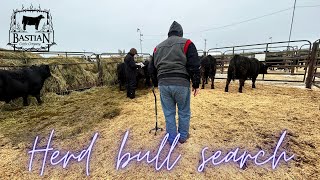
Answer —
252 120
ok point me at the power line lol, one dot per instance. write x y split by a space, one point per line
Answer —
241 22
154 35
245 21
252 19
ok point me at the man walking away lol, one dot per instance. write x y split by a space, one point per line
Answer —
131 73
176 61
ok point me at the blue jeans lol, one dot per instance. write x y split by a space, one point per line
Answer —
171 96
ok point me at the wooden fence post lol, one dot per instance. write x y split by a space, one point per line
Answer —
311 67
266 57
100 71
222 64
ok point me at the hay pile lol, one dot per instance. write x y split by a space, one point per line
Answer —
221 121
68 74
70 77
109 66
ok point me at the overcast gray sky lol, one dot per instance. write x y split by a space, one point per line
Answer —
106 26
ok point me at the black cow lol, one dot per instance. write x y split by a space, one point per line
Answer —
121 75
242 68
31 21
208 69
142 73
22 83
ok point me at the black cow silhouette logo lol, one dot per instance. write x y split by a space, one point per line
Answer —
31 21
32 38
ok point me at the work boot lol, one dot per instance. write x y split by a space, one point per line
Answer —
184 140
132 95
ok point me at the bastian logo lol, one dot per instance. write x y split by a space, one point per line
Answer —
31 29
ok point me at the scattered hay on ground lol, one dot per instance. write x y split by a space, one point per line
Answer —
72 114
252 121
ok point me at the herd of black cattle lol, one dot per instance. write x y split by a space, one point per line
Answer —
30 80
240 67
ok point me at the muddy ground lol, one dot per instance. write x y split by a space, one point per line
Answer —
223 121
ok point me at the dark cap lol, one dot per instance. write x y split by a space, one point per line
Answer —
133 51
